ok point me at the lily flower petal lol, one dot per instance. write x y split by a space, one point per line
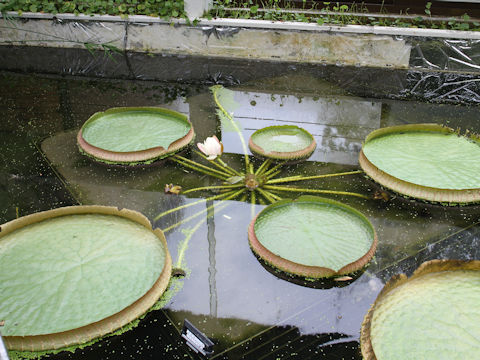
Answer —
212 147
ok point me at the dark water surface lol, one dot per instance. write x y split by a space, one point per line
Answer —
248 310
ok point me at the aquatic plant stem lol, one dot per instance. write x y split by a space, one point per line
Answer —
263 167
221 165
205 172
227 190
183 221
272 175
252 197
213 187
268 173
266 195
314 191
194 163
215 197
184 244
273 195
227 167
229 116
274 192
300 178
253 200
288 179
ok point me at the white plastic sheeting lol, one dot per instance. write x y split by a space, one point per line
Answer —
444 64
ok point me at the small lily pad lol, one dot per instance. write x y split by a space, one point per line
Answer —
74 274
132 135
313 237
287 142
424 161
431 315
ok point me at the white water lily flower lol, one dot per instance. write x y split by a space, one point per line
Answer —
212 147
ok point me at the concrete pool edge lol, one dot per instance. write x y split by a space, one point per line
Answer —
260 40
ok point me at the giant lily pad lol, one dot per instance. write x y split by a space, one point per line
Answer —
424 161
432 315
282 142
132 135
73 274
313 237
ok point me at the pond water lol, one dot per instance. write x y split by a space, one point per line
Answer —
247 309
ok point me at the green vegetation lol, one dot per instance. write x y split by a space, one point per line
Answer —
333 13
155 8
322 13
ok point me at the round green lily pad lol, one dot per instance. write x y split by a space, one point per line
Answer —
282 142
73 274
424 161
132 135
432 315
313 237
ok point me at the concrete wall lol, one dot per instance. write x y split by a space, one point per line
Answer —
369 46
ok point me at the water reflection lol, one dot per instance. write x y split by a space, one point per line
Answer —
227 293
322 283
338 124
247 292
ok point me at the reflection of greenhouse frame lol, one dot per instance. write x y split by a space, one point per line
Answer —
133 157
431 194
111 323
309 271
399 283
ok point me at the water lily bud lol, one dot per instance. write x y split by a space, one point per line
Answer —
212 147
